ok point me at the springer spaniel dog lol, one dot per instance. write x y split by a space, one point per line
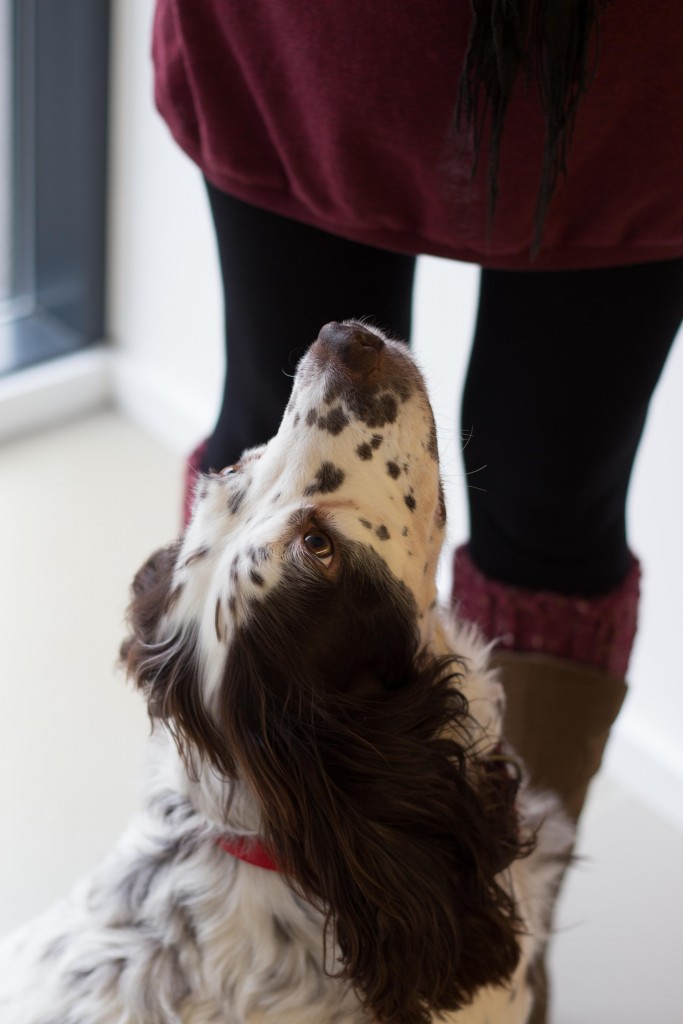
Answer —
334 831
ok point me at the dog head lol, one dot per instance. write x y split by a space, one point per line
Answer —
285 642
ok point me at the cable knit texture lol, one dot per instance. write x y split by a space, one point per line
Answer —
596 631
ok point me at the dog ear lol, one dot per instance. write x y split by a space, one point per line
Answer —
150 592
374 808
164 665
150 599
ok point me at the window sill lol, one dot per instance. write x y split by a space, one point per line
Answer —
53 392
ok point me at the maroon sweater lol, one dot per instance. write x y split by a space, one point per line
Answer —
337 113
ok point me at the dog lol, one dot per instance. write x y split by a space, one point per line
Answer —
334 831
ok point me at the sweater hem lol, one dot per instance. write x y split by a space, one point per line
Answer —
277 200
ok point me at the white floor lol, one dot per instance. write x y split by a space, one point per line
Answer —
80 509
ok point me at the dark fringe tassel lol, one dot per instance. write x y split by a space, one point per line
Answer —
553 43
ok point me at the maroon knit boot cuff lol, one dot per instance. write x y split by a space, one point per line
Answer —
193 468
597 631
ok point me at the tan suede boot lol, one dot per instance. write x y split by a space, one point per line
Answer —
564 695
558 719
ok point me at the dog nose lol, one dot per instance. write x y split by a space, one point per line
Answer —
355 347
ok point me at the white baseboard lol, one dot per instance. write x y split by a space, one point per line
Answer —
171 414
54 392
71 386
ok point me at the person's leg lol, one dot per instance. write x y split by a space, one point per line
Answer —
562 370
282 281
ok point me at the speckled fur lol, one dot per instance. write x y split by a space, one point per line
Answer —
172 930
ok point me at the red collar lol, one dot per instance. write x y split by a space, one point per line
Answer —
249 849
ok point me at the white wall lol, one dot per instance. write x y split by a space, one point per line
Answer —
164 307
165 318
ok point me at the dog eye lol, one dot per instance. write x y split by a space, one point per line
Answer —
320 545
229 470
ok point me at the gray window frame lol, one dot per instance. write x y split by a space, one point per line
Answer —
59 179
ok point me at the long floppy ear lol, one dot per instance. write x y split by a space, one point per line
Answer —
164 665
144 653
150 599
380 816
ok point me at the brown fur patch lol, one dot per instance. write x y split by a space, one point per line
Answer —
328 479
197 555
218 622
334 421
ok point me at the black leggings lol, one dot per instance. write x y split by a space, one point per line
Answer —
282 281
562 369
